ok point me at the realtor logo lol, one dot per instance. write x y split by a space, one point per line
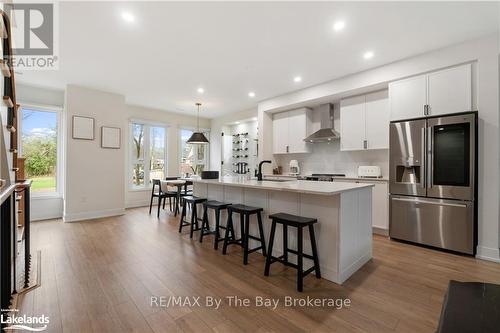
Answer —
34 32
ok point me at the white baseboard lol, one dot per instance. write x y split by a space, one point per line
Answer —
139 203
488 253
92 215
43 217
380 231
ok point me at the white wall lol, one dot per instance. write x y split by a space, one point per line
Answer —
39 95
215 133
484 51
249 127
174 121
94 176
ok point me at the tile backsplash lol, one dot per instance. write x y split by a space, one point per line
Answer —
327 158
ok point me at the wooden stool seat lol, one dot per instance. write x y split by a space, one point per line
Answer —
298 222
238 208
293 220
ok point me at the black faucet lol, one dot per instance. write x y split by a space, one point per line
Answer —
259 174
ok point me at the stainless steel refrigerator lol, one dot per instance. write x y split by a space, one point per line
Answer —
433 181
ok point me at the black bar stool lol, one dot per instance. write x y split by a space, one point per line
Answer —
298 222
193 201
245 212
217 206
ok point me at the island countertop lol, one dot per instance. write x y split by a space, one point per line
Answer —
300 186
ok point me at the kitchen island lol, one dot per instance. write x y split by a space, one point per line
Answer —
343 210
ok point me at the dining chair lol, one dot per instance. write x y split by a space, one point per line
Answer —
161 195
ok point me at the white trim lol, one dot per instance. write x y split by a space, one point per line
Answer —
380 231
488 253
149 122
139 203
93 215
43 107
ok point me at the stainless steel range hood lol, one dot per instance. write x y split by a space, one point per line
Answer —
326 133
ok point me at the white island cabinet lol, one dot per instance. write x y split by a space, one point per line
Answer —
343 210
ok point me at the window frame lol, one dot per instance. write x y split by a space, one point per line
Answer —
146 147
207 133
58 193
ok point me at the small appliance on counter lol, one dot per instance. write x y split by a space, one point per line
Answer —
369 171
210 175
294 168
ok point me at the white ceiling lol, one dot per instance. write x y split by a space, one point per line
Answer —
230 49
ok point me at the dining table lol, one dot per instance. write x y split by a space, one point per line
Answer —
180 183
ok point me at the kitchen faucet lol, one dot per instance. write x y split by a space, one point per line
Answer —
259 175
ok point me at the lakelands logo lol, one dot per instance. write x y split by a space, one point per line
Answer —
24 322
34 30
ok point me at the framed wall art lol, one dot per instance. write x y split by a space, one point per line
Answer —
83 128
110 137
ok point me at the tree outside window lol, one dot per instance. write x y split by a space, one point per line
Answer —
148 154
39 148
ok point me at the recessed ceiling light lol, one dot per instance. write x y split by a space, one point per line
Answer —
236 122
297 79
368 55
128 17
251 94
339 25
200 90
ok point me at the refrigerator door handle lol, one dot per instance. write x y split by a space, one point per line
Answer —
430 157
423 179
416 201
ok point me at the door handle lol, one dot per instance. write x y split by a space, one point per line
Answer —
365 144
431 202
423 165
430 157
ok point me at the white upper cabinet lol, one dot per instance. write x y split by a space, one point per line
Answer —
442 92
408 97
377 120
290 128
280 133
352 123
450 90
364 122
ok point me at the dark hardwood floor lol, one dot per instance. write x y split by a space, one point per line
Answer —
99 276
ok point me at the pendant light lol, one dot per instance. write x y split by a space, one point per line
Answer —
198 137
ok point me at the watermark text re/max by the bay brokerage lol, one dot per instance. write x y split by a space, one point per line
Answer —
257 301
35 34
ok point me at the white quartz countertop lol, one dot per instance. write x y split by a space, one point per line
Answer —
321 188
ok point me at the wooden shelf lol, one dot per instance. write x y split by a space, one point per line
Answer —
4 68
8 102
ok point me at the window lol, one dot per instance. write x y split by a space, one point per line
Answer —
148 153
39 147
194 158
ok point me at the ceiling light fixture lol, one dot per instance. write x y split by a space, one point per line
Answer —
128 17
198 138
297 79
251 94
368 55
200 90
339 25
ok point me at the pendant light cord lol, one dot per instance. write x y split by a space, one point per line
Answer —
198 118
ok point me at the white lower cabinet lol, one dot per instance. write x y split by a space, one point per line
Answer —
380 204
